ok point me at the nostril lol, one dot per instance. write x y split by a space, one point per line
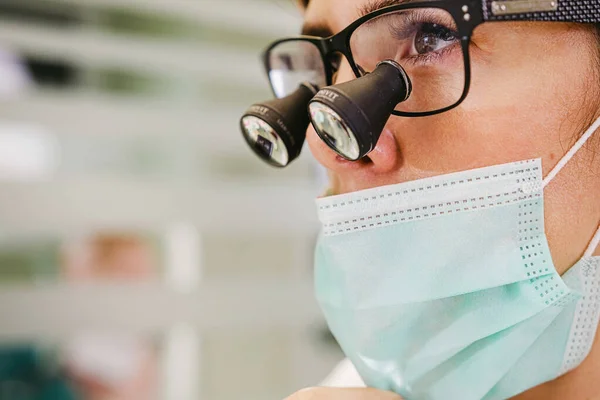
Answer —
366 160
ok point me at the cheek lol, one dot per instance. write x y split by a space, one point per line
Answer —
516 109
517 106
540 87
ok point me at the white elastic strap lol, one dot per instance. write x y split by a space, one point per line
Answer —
578 145
593 244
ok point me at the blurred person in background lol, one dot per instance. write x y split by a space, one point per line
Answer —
107 366
90 366
459 253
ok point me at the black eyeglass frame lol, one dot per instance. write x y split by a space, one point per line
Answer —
467 16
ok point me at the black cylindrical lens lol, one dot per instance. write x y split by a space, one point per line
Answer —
276 129
350 117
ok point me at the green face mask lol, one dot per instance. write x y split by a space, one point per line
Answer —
444 288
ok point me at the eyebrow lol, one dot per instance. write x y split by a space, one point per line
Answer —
318 29
374 5
322 30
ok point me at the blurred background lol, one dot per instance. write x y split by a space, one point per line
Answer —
145 252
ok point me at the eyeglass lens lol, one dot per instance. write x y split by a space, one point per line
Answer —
424 41
294 62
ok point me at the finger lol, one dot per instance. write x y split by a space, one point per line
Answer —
343 394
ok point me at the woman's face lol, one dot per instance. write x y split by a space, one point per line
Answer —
535 88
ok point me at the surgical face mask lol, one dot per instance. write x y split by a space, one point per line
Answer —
444 288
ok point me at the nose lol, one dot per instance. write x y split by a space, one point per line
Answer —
384 158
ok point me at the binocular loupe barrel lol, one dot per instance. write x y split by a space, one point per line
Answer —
276 129
350 117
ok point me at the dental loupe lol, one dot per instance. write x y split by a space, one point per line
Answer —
348 117
275 130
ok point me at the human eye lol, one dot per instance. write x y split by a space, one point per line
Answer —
431 37
425 34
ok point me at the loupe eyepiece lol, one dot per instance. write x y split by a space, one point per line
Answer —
275 130
350 117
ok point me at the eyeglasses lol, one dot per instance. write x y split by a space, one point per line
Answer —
410 59
429 39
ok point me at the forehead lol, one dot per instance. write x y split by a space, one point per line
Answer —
327 17
363 6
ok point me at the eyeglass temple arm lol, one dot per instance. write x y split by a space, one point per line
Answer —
542 10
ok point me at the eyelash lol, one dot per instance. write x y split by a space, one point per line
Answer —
416 23
433 56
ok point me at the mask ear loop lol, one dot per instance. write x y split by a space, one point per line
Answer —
571 153
593 244
561 164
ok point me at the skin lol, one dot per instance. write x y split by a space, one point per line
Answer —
535 89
